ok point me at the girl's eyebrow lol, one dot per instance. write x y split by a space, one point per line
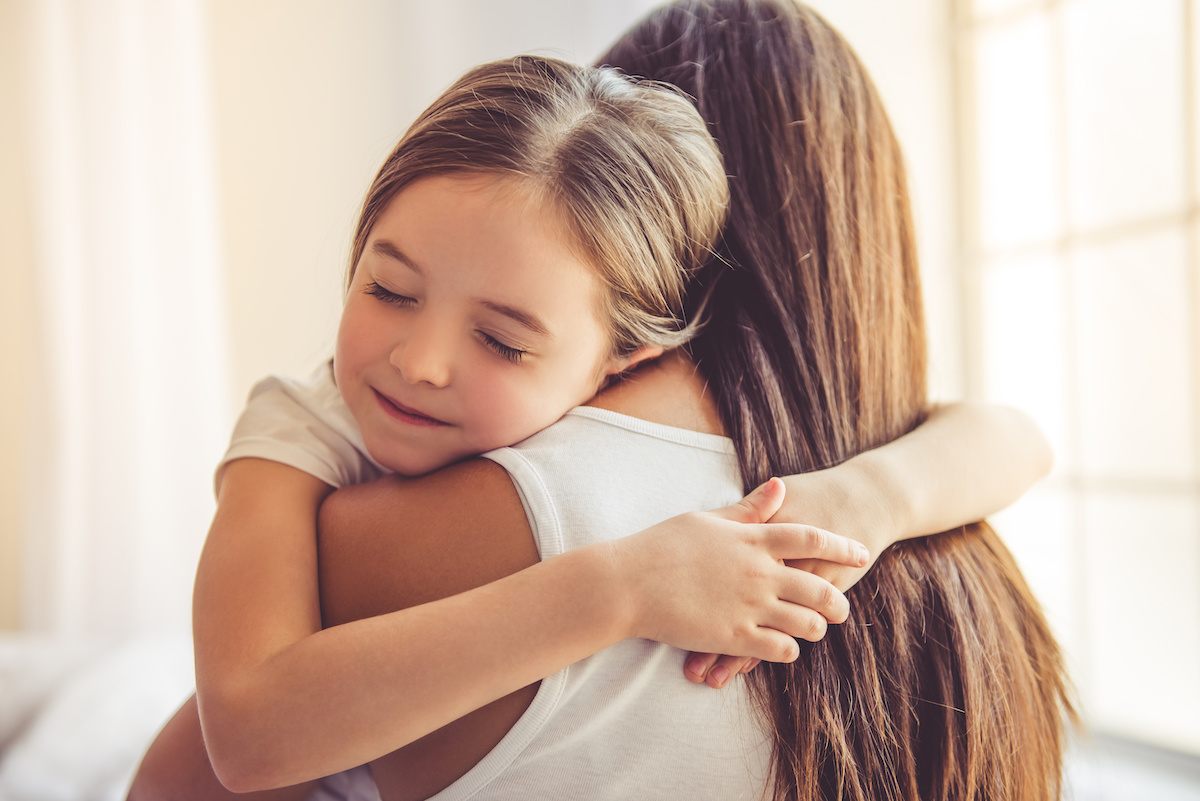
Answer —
523 318
388 250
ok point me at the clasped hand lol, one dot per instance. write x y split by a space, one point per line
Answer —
718 582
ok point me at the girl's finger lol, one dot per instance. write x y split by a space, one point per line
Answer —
772 644
806 591
799 623
786 541
696 667
726 668
750 665
757 507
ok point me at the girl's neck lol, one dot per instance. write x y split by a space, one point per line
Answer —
668 390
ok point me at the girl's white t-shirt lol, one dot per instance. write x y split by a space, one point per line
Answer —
304 424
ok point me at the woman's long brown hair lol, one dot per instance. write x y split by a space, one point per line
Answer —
945 683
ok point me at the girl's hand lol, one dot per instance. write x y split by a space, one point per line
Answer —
716 670
837 499
718 582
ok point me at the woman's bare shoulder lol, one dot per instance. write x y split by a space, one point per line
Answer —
668 390
396 543
399 542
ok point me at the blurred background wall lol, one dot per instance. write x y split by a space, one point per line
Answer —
184 182
178 182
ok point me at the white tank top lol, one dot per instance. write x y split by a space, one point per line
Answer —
625 723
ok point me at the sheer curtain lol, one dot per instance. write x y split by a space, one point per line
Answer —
131 379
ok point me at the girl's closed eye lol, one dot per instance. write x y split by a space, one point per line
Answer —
377 290
507 352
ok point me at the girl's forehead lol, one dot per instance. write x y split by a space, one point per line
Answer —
533 200
462 221
521 193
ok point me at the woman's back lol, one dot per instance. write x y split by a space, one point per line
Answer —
623 724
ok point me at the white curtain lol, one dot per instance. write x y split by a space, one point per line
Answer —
132 374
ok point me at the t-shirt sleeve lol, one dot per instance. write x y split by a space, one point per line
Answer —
305 425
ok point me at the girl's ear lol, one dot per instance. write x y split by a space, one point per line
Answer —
619 364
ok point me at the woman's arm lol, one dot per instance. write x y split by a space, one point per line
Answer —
282 701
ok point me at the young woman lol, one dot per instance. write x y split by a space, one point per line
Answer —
945 682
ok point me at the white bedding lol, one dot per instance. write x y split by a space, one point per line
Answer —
76 716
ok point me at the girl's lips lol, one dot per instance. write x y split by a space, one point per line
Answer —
404 413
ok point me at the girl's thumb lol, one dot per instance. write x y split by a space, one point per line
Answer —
761 504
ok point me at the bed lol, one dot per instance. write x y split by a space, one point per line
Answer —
77 714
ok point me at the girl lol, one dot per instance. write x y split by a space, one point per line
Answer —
366 711
529 237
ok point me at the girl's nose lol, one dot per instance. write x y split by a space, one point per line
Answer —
423 357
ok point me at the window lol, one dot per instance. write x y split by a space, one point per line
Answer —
1080 182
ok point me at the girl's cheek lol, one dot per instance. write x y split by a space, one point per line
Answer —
359 330
511 413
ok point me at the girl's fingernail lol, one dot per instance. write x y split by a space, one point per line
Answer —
863 555
695 666
720 674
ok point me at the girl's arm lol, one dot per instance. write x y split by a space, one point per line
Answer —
282 701
966 461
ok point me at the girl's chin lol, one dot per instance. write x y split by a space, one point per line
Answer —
413 465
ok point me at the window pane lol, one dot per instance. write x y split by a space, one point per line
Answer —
1024 344
989 8
1124 77
1195 101
1134 358
1039 530
1018 172
1143 583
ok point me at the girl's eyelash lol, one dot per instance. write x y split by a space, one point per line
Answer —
376 291
505 351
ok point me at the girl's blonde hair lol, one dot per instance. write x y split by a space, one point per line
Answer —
629 164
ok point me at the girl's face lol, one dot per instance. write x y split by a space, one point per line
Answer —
471 323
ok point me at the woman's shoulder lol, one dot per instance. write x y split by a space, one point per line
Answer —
669 391
449 531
